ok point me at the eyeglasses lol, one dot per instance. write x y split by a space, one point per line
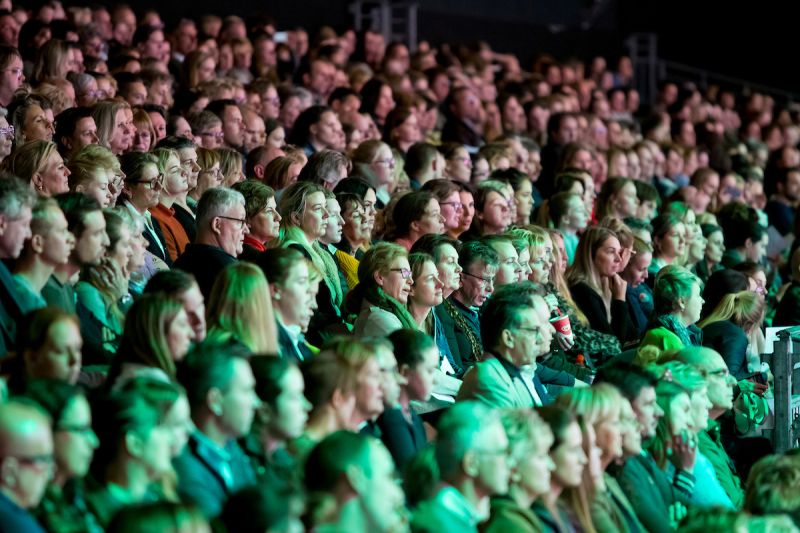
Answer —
79 429
457 206
486 281
274 100
9 131
535 331
150 184
45 459
404 272
241 221
15 71
387 162
99 94
215 135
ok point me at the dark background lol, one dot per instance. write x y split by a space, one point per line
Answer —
757 41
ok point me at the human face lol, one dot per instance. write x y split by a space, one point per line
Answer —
277 138
608 437
382 498
715 247
239 401
328 133
14 232
369 392
496 215
608 258
207 179
394 283
98 186
52 179
451 210
509 269
144 193
449 269
292 300
636 271
231 229
680 414
569 458
720 382
265 225
383 165
576 217
179 335
33 456
673 243
526 338
477 284
696 244
699 410
625 202
467 212
176 179
6 139
427 289
212 137
141 139
91 245
755 251
480 170
84 135
156 454
232 126
58 241
524 202
525 263
492 455
159 125
315 216
355 226
692 306
123 250
194 305
647 412
288 417
391 379
630 430
60 355
333 230
74 440
431 221
178 423
535 466
36 126
254 132
11 77
459 166
539 264
122 137
422 377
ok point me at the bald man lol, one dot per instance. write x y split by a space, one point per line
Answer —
26 464
720 393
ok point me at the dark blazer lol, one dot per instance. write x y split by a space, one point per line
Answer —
731 342
298 352
456 336
456 130
10 310
152 246
186 220
593 307
403 439
205 262
201 484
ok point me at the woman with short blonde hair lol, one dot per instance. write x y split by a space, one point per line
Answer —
40 164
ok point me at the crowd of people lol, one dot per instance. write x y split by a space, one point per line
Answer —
262 280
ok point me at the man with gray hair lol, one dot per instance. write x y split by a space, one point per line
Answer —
221 227
471 448
16 204
26 464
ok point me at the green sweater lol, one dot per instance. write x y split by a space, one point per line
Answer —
709 444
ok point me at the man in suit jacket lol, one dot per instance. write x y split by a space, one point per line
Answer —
16 203
515 335
221 392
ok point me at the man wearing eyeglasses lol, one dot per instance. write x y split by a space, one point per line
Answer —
221 227
512 333
26 464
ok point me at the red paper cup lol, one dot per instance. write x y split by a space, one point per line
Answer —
562 325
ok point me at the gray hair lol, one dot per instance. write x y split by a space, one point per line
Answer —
14 196
80 81
216 202
460 429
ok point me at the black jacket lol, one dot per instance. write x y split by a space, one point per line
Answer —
731 342
204 262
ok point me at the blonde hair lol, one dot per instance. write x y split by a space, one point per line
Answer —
229 162
87 161
29 159
583 268
240 306
105 115
745 309
559 281
141 120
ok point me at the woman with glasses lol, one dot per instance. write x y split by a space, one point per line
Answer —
355 236
381 296
6 135
63 507
414 215
304 220
458 165
595 283
448 195
142 187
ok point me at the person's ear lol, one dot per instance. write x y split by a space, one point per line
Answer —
748 243
216 225
339 399
507 339
275 291
378 277
404 370
414 226
214 401
134 444
3 223
471 463
681 303
37 243
258 170
295 218
312 130
356 479
37 182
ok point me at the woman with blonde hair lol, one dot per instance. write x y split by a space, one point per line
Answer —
600 408
304 220
199 67
729 330
210 174
40 164
144 134
283 171
240 309
92 174
52 61
529 441
596 285
32 118
231 165
114 128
